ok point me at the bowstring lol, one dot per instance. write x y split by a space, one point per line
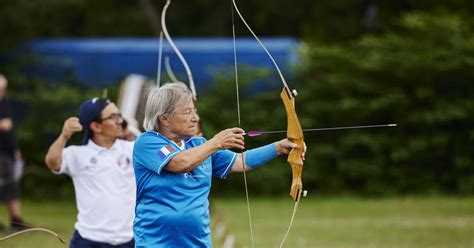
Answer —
295 208
160 52
239 123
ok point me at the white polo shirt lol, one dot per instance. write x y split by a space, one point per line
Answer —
104 183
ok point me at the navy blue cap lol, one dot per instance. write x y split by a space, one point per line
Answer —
89 111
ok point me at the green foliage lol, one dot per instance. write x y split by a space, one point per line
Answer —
48 105
332 21
258 111
418 76
22 19
416 70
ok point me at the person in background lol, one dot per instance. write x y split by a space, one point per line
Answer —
102 173
10 158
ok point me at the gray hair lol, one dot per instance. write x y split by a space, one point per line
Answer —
163 101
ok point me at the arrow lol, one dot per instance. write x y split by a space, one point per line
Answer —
258 133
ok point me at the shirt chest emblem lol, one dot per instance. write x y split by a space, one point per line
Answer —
123 162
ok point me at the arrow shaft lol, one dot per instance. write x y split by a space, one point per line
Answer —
257 133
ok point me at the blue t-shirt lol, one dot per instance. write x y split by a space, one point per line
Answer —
172 209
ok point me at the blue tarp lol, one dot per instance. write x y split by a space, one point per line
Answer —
101 62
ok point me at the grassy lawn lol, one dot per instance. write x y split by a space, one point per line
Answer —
346 223
320 222
57 216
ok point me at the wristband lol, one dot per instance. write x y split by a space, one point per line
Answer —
259 156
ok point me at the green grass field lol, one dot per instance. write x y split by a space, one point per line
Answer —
320 222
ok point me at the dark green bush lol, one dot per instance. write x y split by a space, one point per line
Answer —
419 76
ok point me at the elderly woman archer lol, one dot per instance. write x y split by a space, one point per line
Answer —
173 169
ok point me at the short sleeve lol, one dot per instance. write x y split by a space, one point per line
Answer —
153 152
222 162
127 147
66 162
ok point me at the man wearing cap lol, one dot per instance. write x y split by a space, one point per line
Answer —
102 173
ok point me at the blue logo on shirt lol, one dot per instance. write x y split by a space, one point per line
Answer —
193 177
205 166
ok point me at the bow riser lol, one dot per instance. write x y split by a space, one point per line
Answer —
295 135
296 183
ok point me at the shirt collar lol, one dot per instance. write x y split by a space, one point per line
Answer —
98 148
183 142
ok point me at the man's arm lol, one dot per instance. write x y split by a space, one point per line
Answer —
53 158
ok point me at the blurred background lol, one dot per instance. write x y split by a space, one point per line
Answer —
357 62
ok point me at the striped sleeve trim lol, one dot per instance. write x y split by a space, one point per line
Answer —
229 166
165 162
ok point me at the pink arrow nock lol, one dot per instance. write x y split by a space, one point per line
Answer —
253 133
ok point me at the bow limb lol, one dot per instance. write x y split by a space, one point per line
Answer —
169 70
192 87
262 45
176 50
35 229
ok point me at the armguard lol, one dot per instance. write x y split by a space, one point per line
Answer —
259 156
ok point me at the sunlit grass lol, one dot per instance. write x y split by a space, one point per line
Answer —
327 222
411 222
56 216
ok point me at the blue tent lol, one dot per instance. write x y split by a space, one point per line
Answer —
103 61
